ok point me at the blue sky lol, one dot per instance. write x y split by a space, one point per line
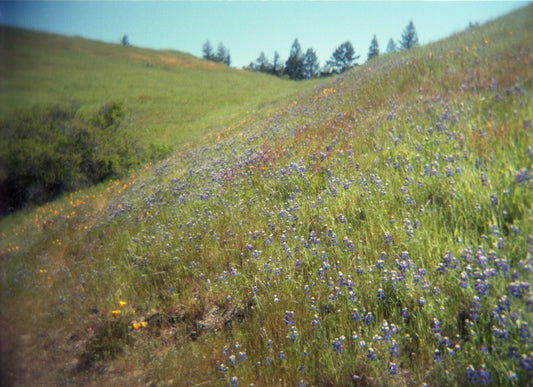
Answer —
248 27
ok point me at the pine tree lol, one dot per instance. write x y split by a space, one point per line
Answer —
373 50
409 37
294 64
311 66
391 46
220 56
207 49
262 64
343 57
277 66
227 59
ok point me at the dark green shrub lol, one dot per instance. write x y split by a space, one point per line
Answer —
45 152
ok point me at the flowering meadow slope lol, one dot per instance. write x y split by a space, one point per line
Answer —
376 231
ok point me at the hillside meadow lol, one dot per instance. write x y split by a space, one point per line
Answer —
75 112
372 229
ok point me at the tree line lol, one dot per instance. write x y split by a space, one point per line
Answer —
305 65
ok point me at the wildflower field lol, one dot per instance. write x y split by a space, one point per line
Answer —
374 230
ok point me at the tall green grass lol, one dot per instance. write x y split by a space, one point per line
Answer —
406 181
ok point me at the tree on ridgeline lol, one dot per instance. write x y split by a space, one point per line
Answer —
207 50
391 46
294 64
409 37
311 67
222 55
343 58
262 64
277 65
373 50
125 41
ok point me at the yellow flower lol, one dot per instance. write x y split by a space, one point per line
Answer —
144 324
115 312
136 326
122 304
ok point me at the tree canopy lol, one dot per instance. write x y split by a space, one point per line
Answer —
207 51
311 67
305 64
373 50
221 56
409 37
343 57
391 46
294 64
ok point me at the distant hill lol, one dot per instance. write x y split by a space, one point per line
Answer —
162 99
170 96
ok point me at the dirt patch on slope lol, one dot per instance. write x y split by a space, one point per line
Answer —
169 60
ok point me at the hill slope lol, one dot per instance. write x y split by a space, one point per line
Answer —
74 112
171 96
378 231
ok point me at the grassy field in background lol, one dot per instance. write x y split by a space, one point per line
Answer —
170 97
375 229
55 92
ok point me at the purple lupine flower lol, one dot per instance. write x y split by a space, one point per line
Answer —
476 303
482 287
355 315
483 375
436 326
525 334
393 369
388 238
437 357
294 335
464 280
516 290
527 363
371 354
337 345
369 318
289 318
471 374
234 382
395 349
500 333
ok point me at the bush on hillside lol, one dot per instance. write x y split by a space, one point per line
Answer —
45 152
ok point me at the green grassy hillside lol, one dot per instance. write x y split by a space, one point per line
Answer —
171 97
74 112
375 230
